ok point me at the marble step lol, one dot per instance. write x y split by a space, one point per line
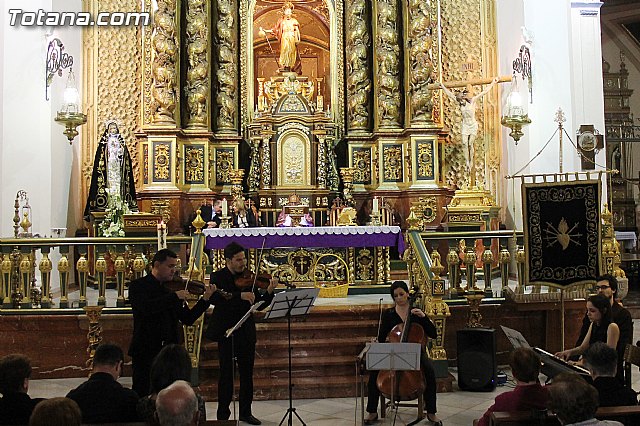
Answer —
303 388
299 348
279 367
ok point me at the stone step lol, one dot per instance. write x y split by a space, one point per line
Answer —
299 348
279 367
303 388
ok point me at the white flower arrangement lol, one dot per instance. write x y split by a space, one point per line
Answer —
113 223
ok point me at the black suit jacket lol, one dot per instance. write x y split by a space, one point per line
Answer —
103 400
228 312
612 392
157 313
16 408
206 212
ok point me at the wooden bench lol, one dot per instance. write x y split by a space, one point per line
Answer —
629 414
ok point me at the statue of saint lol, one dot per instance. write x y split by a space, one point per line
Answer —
287 31
469 125
112 174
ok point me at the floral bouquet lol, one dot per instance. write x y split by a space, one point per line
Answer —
113 223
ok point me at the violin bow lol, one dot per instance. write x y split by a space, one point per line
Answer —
255 275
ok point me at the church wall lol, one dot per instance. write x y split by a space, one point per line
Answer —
556 70
35 155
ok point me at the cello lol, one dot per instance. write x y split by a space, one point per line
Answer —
404 385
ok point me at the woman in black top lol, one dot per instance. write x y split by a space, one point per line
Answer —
391 318
602 329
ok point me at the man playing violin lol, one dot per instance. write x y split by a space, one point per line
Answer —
242 344
157 314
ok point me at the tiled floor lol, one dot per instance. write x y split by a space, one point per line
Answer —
455 408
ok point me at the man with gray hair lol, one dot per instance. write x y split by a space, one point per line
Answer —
177 405
601 360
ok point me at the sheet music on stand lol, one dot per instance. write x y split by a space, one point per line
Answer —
292 302
394 356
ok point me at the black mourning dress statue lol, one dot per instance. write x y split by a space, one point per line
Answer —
112 173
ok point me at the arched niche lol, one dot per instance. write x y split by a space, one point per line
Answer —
320 48
294 159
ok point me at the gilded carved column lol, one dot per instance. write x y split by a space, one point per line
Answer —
165 66
422 50
387 60
357 41
198 64
227 66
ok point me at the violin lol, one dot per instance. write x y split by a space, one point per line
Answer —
262 280
197 288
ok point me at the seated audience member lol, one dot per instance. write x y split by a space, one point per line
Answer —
601 361
16 405
56 411
101 398
575 401
177 405
528 393
602 329
242 217
607 285
171 364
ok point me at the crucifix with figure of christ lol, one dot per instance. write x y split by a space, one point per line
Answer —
468 125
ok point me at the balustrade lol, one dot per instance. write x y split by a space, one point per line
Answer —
23 289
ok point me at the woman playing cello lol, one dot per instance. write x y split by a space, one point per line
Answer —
392 317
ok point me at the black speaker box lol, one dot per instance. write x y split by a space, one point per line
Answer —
477 366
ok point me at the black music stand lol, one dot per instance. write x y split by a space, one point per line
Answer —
394 357
287 304
230 333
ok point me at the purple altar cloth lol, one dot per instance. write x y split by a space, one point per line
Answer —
325 236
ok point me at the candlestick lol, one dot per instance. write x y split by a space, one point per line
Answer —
375 205
224 207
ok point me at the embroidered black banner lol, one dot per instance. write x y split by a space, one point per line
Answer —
561 231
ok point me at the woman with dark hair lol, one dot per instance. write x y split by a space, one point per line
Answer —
171 364
600 330
392 317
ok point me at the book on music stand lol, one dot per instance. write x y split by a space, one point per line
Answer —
285 305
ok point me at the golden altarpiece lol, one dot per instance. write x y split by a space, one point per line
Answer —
201 95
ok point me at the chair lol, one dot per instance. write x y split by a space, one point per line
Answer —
631 357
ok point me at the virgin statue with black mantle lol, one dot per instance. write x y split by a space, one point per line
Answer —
112 174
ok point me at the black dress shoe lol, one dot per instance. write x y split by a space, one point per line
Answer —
250 419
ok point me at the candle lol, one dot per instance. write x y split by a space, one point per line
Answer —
375 205
162 241
224 207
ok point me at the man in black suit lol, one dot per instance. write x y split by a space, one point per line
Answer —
607 285
101 398
157 313
242 344
16 405
212 215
